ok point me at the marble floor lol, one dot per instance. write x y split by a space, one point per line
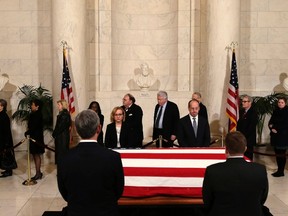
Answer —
19 200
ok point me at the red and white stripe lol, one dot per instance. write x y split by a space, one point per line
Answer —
172 172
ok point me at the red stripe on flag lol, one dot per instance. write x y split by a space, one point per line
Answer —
172 155
130 191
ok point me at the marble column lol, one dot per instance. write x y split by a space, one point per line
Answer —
69 24
223 27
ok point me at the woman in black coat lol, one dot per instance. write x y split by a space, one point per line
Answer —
278 126
6 141
116 135
35 131
61 132
94 105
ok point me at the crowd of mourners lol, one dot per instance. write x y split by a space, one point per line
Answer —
125 130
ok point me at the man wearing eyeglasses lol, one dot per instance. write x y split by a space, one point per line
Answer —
247 124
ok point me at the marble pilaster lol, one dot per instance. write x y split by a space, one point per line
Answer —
69 24
223 27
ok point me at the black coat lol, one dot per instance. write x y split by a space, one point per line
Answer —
111 136
133 119
235 187
91 180
6 140
279 121
246 124
61 134
203 111
186 135
170 119
35 130
100 137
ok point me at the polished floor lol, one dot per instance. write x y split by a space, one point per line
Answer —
19 200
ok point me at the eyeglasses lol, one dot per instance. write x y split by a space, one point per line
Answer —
245 101
118 114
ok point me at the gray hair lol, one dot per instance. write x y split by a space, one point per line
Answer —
198 94
162 94
86 123
250 99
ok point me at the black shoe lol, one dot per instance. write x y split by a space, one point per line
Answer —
277 174
6 173
37 176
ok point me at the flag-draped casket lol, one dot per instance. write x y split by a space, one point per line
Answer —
167 172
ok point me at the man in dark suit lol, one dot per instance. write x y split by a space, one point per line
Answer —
193 130
166 116
247 124
133 121
90 177
235 187
203 110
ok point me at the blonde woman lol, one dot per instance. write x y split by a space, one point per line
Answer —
61 132
116 132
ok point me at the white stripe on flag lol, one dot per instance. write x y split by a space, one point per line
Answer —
173 151
163 181
168 163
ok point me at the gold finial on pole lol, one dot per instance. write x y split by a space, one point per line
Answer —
64 44
232 46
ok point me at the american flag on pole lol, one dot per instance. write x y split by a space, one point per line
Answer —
232 108
167 172
66 89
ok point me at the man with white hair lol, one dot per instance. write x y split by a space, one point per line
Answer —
166 117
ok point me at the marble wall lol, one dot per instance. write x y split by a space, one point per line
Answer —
263 56
169 35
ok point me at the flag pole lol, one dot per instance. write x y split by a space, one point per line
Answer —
232 109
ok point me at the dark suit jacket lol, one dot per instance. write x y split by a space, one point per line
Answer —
91 180
247 125
133 120
61 134
170 119
100 137
111 136
235 187
186 136
6 140
203 111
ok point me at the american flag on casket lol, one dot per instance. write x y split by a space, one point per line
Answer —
167 172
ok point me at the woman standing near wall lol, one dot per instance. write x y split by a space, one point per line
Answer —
278 126
94 105
6 141
35 131
61 132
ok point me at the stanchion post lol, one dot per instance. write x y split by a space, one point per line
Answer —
160 141
29 181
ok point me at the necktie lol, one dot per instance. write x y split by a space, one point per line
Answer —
194 124
158 118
